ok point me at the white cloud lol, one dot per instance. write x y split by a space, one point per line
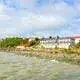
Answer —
3 15
27 3
2 9
50 16
43 22
47 16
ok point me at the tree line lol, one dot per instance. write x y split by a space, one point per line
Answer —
16 41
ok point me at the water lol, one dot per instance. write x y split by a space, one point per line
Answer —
14 67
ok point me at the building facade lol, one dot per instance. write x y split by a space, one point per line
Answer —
77 39
62 42
66 42
48 42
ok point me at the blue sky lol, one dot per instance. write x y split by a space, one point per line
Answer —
39 18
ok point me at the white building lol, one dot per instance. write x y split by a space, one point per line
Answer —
62 42
66 42
48 42
77 39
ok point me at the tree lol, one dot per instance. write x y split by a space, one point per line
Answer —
77 45
10 42
36 39
50 37
34 42
25 42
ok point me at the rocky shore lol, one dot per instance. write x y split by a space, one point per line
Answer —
57 54
14 67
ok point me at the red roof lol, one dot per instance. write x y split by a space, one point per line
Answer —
76 37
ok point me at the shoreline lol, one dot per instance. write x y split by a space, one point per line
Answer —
58 55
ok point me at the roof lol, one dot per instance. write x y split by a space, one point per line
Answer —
48 39
76 37
55 38
65 37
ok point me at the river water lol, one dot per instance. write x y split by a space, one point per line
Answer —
16 67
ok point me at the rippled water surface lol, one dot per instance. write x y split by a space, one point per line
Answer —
14 67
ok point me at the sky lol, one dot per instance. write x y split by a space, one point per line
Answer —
39 18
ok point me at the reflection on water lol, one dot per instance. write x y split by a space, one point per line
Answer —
14 67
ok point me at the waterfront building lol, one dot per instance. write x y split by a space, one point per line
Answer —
59 42
48 42
66 42
77 39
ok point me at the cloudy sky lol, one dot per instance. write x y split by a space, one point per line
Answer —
39 17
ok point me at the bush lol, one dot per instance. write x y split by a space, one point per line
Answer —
10 42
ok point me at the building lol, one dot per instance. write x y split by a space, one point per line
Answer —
59 42
66 42
48 42
77 39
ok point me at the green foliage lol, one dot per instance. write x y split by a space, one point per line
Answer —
77 45
34 42
15 41
36 39
25 42
10 42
